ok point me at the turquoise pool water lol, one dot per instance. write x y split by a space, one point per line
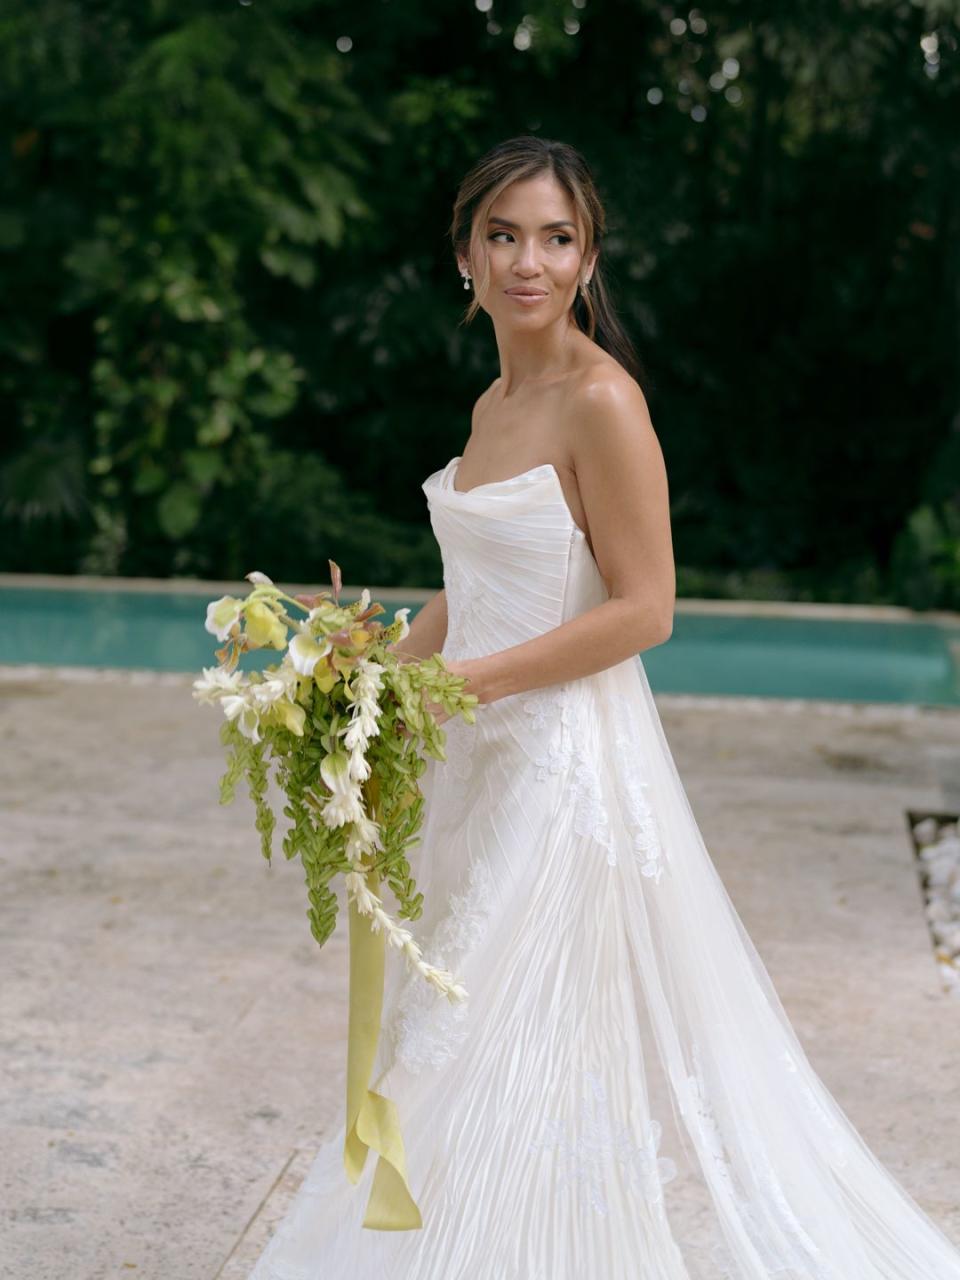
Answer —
708 653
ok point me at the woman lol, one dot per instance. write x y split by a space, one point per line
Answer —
622 1095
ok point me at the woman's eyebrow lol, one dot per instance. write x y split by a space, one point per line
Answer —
547 226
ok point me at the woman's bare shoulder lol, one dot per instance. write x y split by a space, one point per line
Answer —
605 383
605 398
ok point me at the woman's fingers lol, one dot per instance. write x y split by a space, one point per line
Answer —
436 710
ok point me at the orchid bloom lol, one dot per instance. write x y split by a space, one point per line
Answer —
306 650
402 614
239 708
222 616
264 629
276 685
215 682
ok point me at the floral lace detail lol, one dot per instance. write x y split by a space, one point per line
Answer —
427 1028
819 1112
597 1141
641 819
566 753
803 1256
542 706
706 1131
460 740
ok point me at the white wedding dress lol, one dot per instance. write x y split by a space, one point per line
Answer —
622 1096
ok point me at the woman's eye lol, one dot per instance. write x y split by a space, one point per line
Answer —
564 239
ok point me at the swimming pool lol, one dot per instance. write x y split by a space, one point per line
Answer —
885 655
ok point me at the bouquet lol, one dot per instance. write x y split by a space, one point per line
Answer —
347 723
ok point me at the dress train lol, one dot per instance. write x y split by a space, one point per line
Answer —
623 1094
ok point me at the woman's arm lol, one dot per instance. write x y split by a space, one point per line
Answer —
428 630
623 486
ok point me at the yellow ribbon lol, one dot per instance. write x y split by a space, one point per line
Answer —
372 1120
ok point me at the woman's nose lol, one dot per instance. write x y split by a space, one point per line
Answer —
527 257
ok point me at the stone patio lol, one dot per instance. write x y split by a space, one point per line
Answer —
173 1039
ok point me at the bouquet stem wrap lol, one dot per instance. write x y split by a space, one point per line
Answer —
372 1120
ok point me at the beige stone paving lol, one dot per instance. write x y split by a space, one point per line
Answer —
172 1038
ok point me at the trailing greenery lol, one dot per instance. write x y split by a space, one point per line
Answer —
230 302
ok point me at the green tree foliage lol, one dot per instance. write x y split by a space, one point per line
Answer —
230 329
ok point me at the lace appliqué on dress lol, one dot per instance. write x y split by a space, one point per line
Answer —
818 1112
597 1141
542 706
456 770
564 753
428 1028
640 817
793 1253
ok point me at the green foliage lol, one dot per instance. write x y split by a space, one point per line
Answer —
315 843
926 558
224 153
231 316
239 755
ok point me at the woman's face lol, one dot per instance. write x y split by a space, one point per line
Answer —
532 243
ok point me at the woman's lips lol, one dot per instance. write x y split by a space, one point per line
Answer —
525 299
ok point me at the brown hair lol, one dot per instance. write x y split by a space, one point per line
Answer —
528 156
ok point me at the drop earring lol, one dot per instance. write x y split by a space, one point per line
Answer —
466 279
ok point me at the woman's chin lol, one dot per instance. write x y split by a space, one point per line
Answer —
526 317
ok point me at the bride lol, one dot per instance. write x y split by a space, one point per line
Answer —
622 1095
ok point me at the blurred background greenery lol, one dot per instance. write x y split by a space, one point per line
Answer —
230 324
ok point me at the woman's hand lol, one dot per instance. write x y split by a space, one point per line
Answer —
471 668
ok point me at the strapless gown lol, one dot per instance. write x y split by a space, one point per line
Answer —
622 1096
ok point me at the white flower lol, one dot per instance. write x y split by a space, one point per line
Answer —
222 616
346 802
359 767
369 905
306 650
276 685
363 725
257 576
402 615
368 678
363 837
360 892
364 599
215 682
238 707
364 715
342 807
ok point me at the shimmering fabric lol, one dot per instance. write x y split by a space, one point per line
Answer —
623 1097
